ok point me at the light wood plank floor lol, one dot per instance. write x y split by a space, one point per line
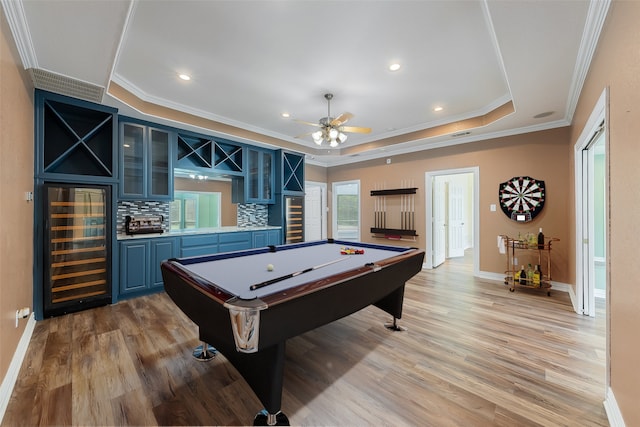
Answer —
475 354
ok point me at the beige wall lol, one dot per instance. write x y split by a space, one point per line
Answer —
229 211
16 178
540 155
616 65
315 173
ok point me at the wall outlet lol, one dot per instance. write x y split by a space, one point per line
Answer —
22 313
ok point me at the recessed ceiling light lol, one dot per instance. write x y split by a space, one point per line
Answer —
394 67
438 108
184 77
286 115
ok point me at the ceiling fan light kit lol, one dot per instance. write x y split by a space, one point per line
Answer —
331 130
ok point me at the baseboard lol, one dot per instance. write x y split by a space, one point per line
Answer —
613 412
11 377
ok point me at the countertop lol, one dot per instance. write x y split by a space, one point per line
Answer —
228 229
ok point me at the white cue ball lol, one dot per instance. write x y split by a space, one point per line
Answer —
269 267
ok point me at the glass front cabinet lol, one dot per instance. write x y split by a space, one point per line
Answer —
145 159
257 186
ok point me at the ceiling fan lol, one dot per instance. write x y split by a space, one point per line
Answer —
332 129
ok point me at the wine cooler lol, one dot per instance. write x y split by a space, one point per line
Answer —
294 219
77 245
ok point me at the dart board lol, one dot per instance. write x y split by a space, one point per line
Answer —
522 198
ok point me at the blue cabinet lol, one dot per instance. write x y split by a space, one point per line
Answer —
258 183
198 244
236 241
134 266
140 264
290 173
264 238
204 244
161 249
75 139
146 168
207 154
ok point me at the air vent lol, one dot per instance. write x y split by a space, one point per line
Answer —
57 83
460 134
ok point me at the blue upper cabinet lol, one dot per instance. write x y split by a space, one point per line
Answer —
208 154
258 183
290 168
146 167
75 138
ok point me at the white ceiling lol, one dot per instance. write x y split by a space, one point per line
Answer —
250 61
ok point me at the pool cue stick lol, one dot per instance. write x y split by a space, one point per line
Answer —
401 211
375 208
297 273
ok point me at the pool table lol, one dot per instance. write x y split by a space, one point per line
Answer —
248 303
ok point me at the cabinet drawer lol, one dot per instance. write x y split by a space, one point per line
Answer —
198 251
199 240
235 241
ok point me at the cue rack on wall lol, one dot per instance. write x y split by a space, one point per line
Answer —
394 212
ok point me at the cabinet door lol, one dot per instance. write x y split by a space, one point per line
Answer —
132 140
260 239
253 175
159 155
274 237
267 176
134 262
259 181
161 249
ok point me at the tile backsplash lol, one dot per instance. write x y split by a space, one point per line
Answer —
249 214
141 208
252 215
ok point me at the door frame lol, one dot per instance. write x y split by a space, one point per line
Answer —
428 177
584 300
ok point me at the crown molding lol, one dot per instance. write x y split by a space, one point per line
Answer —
596 16
14 11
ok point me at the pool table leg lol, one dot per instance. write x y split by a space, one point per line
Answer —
263 418
393 326
204 352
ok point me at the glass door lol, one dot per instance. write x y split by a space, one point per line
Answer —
294 219
77 242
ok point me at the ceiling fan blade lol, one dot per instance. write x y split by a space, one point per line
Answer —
307 123
354 129
342 118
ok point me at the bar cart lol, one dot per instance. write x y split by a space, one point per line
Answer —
513 247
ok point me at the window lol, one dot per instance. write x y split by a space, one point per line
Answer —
191 210
346 210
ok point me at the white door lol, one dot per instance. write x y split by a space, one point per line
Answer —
313 213
439 225
455 220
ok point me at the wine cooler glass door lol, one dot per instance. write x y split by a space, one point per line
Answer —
77 248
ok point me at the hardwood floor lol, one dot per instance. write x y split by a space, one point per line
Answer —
474 354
